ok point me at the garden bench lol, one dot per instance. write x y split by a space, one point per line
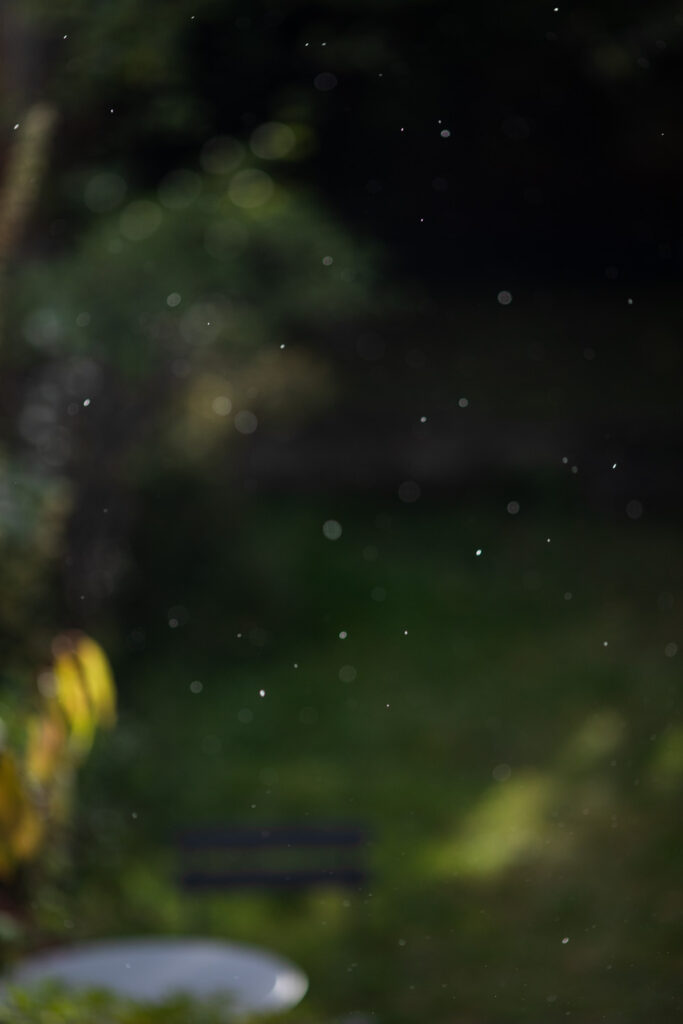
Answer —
279 856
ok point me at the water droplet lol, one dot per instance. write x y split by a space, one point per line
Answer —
221 405
409 491
245 421
332 529
634 509
325 81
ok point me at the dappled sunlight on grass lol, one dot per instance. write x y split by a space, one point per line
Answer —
598 736
666 769
506 826
535 815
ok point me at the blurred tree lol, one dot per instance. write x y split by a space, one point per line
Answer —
179 321
147 326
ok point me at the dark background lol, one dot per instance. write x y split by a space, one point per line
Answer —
453 315
563 159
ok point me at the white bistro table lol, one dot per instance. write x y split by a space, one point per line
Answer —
155 969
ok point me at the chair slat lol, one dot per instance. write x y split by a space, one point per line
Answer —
238 879
279 856
221 837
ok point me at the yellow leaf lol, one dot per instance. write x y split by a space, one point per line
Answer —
28 834
11 795
99 680
20 824
73 698
46 746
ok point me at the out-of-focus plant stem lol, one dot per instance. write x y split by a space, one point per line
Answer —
22 178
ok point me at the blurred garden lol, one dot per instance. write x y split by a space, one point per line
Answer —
340 486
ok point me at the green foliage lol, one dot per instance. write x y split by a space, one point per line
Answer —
174 313
133 351
33 511
53 1004
237 246
477 877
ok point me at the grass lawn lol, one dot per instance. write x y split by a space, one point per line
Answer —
505 724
